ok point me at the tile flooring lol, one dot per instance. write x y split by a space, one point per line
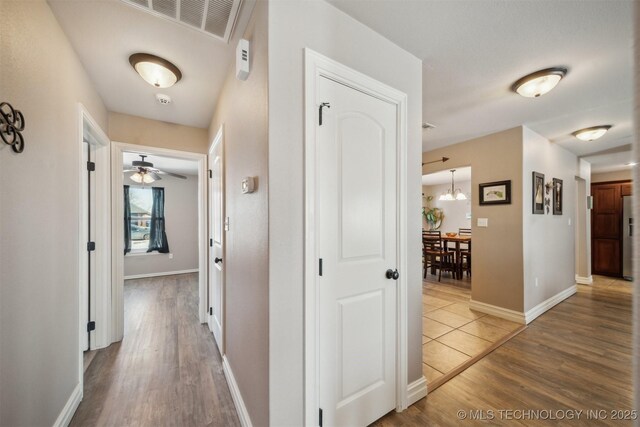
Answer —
452 333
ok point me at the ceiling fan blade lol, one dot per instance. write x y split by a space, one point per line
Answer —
131 170
154 175
175 175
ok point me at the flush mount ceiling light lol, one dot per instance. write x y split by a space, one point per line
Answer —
592 133
535 84
154 70
453 193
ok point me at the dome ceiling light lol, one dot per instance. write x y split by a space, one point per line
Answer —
536 84
156 71
592 133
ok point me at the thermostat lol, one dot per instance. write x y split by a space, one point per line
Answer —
248 185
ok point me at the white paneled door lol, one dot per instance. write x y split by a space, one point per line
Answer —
357 248
216 249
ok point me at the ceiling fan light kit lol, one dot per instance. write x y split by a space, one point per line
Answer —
537 84
591 133
156 71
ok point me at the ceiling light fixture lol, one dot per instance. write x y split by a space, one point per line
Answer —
154 70
535 84
453 193
632 163
592 133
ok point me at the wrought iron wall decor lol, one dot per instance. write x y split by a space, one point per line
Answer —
11 126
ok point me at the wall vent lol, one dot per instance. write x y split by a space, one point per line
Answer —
215 18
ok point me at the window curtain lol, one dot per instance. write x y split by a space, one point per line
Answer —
158 236
127 221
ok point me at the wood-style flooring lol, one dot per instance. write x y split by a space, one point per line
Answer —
166 371
453 336
576 356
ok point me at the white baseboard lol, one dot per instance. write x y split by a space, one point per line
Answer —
584 280
536 311
70 407
243 414
494 310
164 273
416 390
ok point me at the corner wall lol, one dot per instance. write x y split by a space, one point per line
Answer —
40 75
497 251
242 110
294 25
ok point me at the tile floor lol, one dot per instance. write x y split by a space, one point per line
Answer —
452 333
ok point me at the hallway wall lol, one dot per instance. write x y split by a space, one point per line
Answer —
40 75
242 110
294 25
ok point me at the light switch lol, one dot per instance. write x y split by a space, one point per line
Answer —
483 222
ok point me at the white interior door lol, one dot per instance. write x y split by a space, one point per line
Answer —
216 250
357 244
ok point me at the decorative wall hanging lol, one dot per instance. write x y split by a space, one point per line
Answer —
557 196
11 126
538 193
495 193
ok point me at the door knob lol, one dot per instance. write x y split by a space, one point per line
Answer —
217 260
392 274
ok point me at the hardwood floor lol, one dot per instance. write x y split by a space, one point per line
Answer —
577 356
166 371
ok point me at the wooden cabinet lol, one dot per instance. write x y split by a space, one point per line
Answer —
606 227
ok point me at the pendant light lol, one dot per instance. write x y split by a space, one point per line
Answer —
453 193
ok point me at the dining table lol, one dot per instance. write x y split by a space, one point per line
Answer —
456 240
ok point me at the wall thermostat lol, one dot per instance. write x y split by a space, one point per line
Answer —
242 59
248 185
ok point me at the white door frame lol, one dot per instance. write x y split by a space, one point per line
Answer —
88 128
218 139
117 181
317 66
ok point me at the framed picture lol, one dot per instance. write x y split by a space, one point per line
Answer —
557 196
538 193
495 193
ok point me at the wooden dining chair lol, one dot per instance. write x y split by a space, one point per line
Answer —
435 255
465 253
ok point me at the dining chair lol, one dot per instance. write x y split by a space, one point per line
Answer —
435 255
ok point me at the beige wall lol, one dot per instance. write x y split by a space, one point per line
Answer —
181 213
549 240
41 76
294 25
455 211
497 267
621 175
153 133
242 110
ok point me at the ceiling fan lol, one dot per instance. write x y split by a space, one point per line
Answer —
146 173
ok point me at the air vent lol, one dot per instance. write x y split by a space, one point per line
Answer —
213 17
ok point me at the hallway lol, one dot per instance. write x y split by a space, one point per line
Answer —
577 356
166 371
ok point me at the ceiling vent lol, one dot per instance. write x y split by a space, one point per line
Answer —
213 17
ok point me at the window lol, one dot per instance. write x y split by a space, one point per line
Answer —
140 204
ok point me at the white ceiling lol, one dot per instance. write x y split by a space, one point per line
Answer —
105 33
473 51
166 164
444 177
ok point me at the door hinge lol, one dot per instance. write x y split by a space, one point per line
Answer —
320 417
324 104
91 246
210 242
91 166
91 326
210 173
210 311
320 267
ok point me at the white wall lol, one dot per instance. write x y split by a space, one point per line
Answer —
455 211
181 213
294 25
39 215
548 240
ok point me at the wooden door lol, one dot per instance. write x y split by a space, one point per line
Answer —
606 233
357 244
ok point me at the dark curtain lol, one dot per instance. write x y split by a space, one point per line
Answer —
158 236
127 221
